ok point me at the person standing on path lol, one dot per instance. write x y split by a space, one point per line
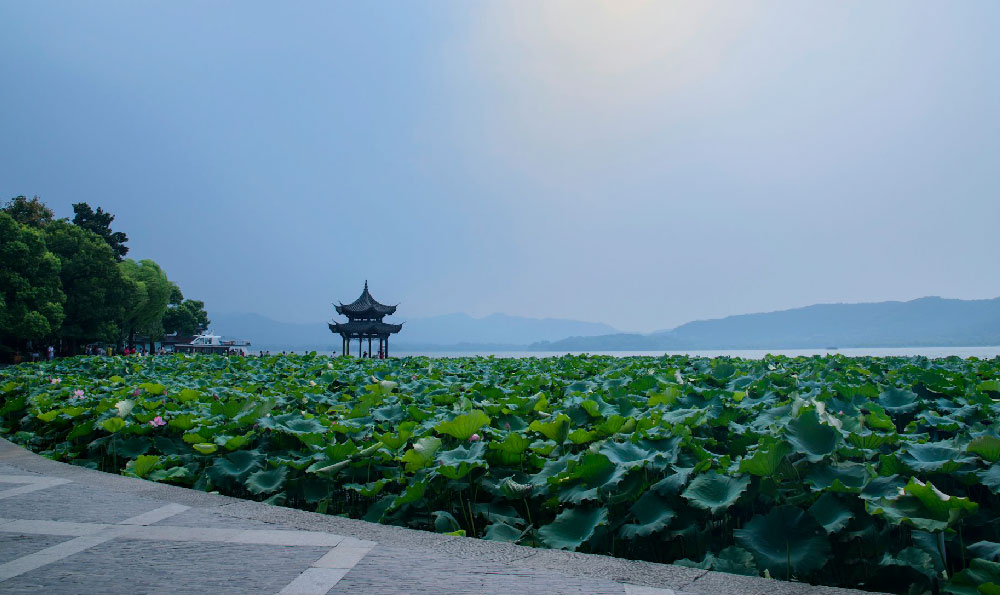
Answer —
52 353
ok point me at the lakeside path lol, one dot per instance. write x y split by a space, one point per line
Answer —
66 529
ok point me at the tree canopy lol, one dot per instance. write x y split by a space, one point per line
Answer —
99 222
31 297
32 213
69 281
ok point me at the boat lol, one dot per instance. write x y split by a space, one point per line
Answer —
209 343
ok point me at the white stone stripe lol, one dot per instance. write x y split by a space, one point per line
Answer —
34 486
23 479
347 554
136 530
314 581
643 590
57 552
153 516
64 528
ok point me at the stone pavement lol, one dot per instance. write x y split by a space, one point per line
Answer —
65 529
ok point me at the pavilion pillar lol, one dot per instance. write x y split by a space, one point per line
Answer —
361 345
369 346
387 345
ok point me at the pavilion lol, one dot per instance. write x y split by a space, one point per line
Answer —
364 321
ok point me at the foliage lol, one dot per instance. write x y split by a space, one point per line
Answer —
880 473
99 223
32 213
94 285
31 298
150 292
184 317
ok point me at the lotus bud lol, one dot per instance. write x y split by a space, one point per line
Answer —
474 438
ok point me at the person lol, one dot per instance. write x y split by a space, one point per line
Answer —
52 353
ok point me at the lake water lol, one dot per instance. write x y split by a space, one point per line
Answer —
931 352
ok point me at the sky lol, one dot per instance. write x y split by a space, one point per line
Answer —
641 164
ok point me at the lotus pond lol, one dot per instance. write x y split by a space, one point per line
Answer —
878 473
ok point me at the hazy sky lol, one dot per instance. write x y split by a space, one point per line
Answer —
636 163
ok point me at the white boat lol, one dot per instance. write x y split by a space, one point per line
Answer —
209 343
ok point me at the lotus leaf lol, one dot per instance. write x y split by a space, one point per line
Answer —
714 492
573 527
785 541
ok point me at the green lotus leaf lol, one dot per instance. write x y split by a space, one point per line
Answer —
675 482
912 557
577 494
651 512
293 423
630 455
183 422
991 478
267 482
573 527
556 429
923 506
988 550
811 438
48 415
766 459
898 401
831 512
205 448
838 477
735 560
144 464
186 395
511 449
422 453
458 462
714 492
942 456
871 440
445 522
178 474
501 531
888 488
113 424
464 426
785 542
153 388
979 574
236 466
987 446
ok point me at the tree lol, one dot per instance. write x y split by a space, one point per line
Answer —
94 285
32 213
150 292
99 222
30 292
185 317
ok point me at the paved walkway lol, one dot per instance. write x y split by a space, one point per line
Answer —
65 529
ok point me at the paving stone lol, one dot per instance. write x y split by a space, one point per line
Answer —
138 567
392 570
75 502
13 545
200 517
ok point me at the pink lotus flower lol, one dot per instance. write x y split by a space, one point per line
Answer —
135 393
157 422
55 381
474 438
507 426
78 393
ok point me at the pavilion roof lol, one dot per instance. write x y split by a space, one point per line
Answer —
365 307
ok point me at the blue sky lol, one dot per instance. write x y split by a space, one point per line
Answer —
636 163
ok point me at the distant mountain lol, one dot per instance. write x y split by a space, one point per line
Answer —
446 332
929 321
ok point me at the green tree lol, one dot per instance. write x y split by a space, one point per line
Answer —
95 287
99 222
32 213
30 293
150 292
185 317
